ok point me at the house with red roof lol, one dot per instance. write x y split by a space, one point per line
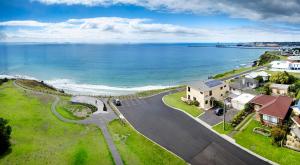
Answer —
271 110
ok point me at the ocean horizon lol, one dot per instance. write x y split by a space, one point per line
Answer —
116 69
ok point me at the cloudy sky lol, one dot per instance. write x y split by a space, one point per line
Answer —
144 21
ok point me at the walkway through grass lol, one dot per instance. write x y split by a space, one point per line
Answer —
262 146
174 100
136 149
38 137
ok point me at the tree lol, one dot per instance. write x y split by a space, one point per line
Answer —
248 108
259 79
5 131
278 134
267 57
282 78
294 89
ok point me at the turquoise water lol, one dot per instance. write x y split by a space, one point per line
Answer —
114 68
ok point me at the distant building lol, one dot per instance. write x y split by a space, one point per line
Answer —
279 89
240 85
206 92
265 76
291 65
271 110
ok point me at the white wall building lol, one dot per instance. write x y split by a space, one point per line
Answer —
291 65
240 101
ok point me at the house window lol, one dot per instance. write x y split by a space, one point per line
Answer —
221 88
189 97
189 89
206 102
221 94
210 93
274 120
194 98
201 93
265 117
224 86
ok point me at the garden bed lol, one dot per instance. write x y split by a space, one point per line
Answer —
262 131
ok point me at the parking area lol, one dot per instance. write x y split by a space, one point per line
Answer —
212 119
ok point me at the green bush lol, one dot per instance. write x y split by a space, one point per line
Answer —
282 78
267 57
196 103
5 131
278 134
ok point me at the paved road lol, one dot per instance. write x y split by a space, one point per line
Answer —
182 135
242 73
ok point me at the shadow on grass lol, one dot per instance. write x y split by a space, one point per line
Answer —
5 153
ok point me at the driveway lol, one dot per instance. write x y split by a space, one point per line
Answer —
211 119
182 135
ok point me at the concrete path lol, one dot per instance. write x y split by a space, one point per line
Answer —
100 119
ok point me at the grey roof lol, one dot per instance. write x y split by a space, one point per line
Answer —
238 84
205 85
280 86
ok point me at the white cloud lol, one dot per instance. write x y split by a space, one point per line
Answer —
267 10
116 29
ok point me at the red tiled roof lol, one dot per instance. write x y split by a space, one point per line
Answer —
296 119
277 106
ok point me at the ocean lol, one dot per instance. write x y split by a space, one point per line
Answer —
113 69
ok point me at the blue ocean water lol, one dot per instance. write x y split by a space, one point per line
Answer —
109 68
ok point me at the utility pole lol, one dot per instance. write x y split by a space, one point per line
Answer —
224 114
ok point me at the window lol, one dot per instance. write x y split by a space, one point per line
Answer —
210 93
221 88
189 97
189 89
221 94
201 93
206 101
194 98
274 120
224 86
265 117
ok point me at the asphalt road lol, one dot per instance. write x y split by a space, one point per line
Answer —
182 135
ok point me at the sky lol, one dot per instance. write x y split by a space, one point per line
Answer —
149 21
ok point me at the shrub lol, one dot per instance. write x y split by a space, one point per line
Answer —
278 134
259 79
196 103
248 108
219 104
282 78
267 57
5 131
238 118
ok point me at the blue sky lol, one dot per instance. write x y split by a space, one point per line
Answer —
110 21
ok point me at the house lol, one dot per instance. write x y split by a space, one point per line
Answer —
240 101
271 110
279 89
239 86
206 92
293 138
265 76
291 65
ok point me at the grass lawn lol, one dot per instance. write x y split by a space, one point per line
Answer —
174 100
38 137
66 108
67 114
232 72
155 91
297 75
219 128
263 146
38 86
136 149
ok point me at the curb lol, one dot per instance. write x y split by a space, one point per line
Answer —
121 116
229 139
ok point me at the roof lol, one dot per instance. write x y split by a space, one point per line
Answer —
277 106
206 85
256 74
280 86
244 98
296 120
239 84
280 64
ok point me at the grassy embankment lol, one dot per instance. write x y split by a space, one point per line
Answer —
38 137
263 146
174 100
135 149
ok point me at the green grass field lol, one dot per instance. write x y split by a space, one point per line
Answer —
174 100
135 149
38 137
263 146
232 72
219 128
